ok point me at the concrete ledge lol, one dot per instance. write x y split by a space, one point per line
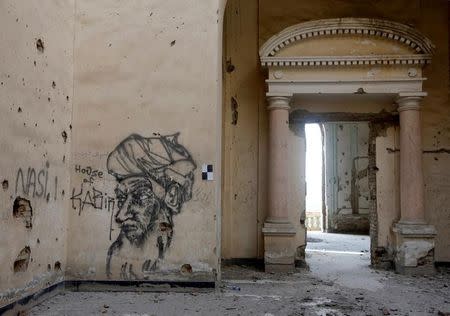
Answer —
278 229
279 268
131 286
412 230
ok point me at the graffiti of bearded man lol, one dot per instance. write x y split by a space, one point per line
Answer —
155 177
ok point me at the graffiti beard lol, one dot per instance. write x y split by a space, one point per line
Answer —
138 210
155 178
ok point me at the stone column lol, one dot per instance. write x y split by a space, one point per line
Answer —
414 238
278 231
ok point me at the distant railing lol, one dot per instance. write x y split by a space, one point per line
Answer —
313 221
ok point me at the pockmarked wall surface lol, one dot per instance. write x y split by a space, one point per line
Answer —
144 130
347 177
111 127
35 111
244 79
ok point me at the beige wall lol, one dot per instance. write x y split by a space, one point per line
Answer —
388 185
154 68
149 69
241 106
34 114
429 17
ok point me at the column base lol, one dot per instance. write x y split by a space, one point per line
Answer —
414 248
279 248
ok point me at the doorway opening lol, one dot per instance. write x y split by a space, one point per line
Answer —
337 196
314 178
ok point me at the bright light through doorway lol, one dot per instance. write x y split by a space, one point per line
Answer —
314 174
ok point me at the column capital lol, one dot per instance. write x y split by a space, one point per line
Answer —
410 101
278 102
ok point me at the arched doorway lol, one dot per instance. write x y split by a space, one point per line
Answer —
325 67
327 70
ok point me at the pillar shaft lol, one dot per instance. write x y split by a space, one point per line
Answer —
411 173
278 154
414 239
279 233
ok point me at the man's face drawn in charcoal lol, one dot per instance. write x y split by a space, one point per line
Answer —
155 178
138 209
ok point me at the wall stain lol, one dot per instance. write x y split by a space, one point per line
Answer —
22 260
234 111
431 151
40 45
64 136
22 209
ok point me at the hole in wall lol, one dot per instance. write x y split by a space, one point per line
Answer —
22 209
186 269
22 260
5 185
64 136
57 266
40 45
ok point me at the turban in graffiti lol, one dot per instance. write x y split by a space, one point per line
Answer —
160 159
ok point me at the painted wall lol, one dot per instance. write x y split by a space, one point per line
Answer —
429 17
114 82
388 185
146 127
346 177
36 67
242 105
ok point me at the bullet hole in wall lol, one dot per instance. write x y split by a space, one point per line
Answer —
186 269
22 209
53 85
173 43
19 110
22 260
49 267
230 67
64 136
67 98
234 111
40 45
38 241
5 185
57 266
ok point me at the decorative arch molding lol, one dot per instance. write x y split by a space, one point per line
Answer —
403 34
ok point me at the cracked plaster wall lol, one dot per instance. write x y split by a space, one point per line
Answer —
147 68
133 72
35 111
431 18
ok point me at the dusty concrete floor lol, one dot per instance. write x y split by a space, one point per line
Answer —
338 282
